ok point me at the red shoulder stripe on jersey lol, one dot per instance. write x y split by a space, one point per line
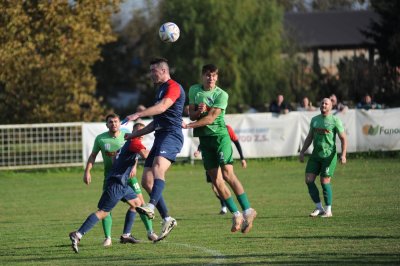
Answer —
173 90
136 145
232 134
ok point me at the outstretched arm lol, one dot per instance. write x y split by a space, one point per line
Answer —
156 109
343 141
146 130
307 143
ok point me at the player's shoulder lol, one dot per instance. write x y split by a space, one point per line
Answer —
173 83
220 91
195 87
103 135
336 119
124 131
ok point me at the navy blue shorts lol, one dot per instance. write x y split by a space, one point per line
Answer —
167 145
113 193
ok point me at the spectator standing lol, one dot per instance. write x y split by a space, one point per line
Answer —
279 105
337 106
367 103
306 105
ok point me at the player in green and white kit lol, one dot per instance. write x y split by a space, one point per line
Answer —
108 143
207 105
322 162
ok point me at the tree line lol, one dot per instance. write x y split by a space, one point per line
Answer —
61 60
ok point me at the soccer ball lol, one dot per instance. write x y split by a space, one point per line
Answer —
169 32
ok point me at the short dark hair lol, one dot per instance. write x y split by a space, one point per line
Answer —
209 68
158 60
111 116
138 124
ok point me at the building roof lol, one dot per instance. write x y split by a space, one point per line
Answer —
330 30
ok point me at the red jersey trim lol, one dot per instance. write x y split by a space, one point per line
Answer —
173 90
232 134
136 145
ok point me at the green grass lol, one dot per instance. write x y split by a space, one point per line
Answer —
39 208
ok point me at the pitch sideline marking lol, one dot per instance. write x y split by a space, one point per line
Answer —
219 257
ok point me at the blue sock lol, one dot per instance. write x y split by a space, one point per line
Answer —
88 224
162 207
129 220
157 190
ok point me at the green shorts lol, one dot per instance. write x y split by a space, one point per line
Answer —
134 184
216 151
324 167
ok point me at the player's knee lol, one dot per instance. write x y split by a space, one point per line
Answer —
101 214
146 186
310 178
325 180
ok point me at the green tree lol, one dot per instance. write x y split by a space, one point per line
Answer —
386 31
321 5
242 37
386 34
46 54
126 61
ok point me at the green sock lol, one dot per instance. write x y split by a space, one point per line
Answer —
107 223
147 222
231 205
134 184
313 191
243 201
327 191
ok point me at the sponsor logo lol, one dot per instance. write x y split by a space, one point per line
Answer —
107 146
163 152
322 131
370 130
110 153
327 170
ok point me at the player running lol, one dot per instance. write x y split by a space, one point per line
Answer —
116 189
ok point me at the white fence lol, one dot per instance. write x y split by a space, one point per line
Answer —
261 135
40 145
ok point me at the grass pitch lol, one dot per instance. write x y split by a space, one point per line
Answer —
39 208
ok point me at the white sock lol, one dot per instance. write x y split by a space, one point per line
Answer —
319 206
79 235
167 218
236 213
151 206
247 211
328 208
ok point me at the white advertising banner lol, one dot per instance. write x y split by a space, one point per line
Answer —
266 134
378 130
350 127
269 135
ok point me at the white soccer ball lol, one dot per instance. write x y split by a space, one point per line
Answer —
169 32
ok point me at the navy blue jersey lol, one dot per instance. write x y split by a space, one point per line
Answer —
124 161
171 119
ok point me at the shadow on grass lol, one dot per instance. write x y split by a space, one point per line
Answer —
339 237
